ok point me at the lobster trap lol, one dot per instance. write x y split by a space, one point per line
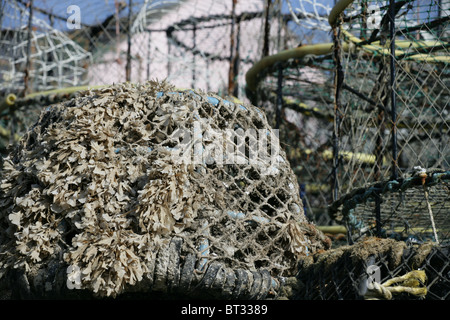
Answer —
142 164
384 118
295 89
382 269
391 102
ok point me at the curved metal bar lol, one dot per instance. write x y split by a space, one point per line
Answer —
252 76
338 8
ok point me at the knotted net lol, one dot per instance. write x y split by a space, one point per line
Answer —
103 181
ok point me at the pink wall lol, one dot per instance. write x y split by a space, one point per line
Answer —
152 50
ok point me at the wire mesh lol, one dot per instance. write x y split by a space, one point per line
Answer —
379 160
393 107
394 103
305 123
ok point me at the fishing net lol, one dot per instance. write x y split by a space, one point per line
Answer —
392 107
205 45
310 14
394 93
295 91
376 269
34 56
40 58
110 183
198 44
413 209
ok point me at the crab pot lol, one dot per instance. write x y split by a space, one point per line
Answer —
145 188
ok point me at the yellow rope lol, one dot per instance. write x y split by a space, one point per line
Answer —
400 45
409 283
375 47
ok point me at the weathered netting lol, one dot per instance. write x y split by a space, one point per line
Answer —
392 105
345 272
391 102
40 58
296 93
36 59
311 14
196 43
413 209
108 184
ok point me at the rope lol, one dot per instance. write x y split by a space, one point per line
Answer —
422 173
362 194
409 283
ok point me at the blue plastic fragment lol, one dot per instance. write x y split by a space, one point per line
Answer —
204 251
117 150
236 215
242 107
227 103
213 100
161 93
194 94
274 284
204 247
260 219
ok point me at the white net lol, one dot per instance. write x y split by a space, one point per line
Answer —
310 14
202 44
54 59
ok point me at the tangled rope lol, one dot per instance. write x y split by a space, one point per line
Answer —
409 283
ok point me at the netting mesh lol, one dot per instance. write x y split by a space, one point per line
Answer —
114 174
310 14
382 158
95 196
412 209
37 60
345 273
420 89
299 106
393 107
